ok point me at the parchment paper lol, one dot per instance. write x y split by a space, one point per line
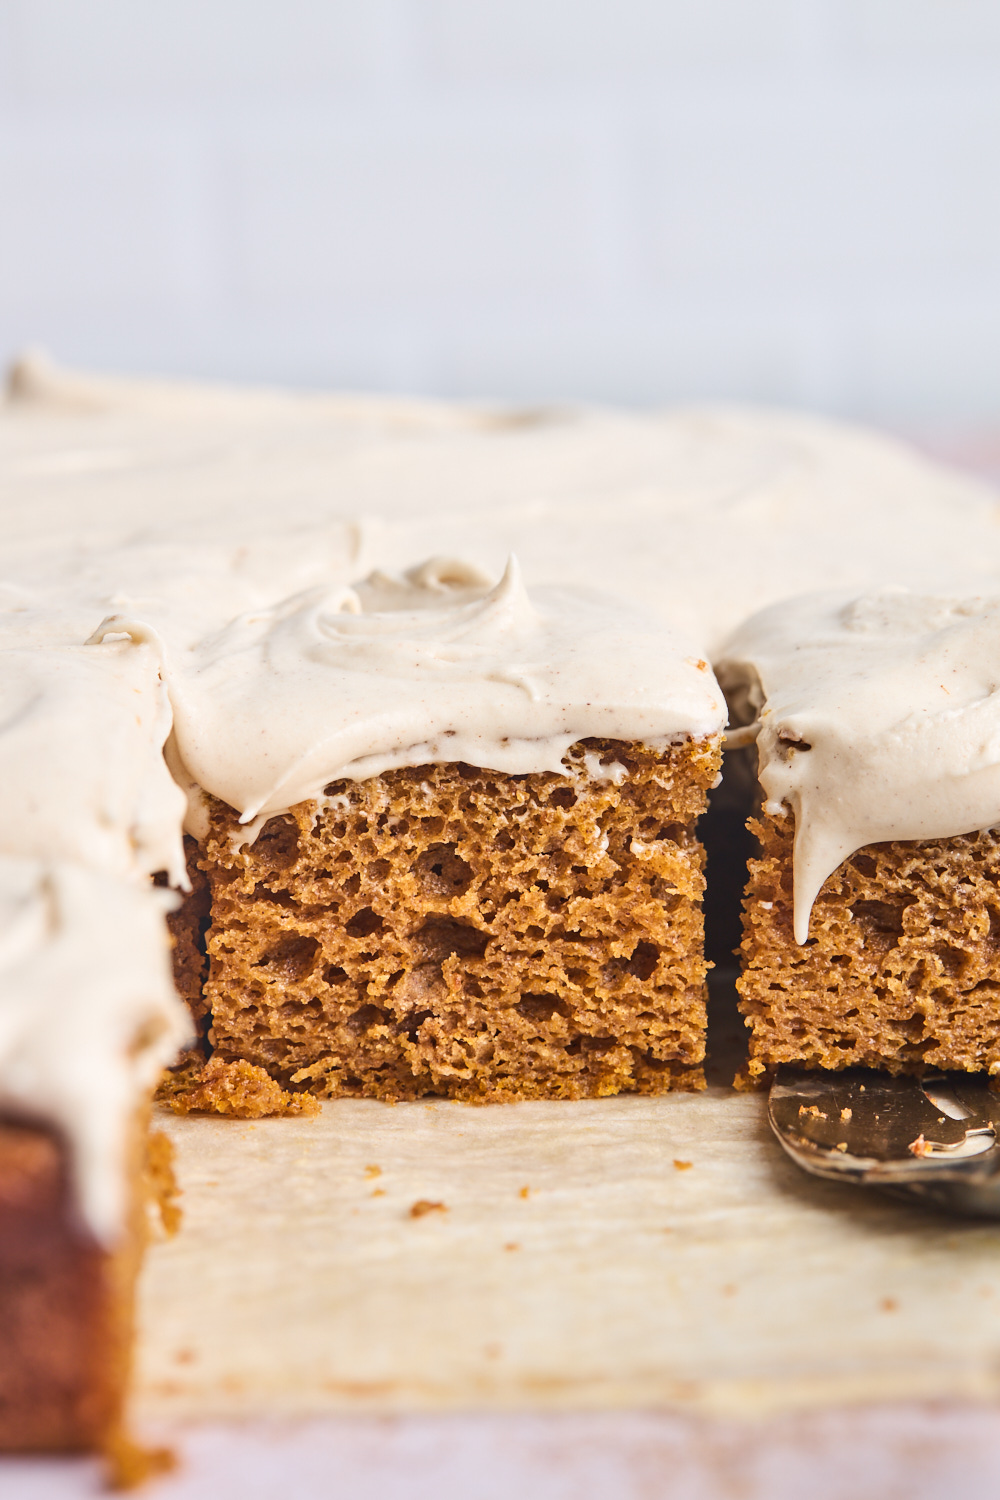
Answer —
578 1261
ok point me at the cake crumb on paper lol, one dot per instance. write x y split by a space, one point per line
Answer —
238 1088
426 1206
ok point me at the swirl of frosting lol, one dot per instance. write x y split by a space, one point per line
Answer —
433 665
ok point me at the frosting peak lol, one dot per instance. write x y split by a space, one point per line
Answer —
442 624
433 664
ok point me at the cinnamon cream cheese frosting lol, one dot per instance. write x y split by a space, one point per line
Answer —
203 590
81 756
878 718
88 1016
437 664
228 501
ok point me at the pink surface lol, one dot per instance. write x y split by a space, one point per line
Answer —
920 1453
977 451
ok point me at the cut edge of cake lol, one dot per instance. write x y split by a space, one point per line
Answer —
901 969
453 931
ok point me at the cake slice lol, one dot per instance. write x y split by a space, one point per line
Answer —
446 929
451 840
88 1013
872 912
88 1019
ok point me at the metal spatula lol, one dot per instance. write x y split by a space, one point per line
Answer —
933 1138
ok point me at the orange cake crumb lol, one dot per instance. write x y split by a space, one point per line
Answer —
238 1088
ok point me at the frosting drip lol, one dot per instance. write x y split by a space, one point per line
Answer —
879 719
89 1016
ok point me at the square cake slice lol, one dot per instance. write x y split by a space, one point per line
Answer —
449 830
872 912
88 1019
449 930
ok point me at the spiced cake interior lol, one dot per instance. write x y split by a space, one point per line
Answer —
872 911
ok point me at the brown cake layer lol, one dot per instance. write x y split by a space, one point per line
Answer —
902 966
453 931
187 926
65 1304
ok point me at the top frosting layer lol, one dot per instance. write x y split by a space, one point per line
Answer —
700 517
879 718
433 665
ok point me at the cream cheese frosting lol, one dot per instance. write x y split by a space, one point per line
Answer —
878 719
702 517
229 582
81 754
435 664
88 1016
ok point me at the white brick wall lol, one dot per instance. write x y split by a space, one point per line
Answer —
608 45
453 209
197 53
935 32
785 200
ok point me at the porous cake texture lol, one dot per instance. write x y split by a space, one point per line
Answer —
447 930
901 969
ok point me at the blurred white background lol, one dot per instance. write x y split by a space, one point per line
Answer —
635 200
